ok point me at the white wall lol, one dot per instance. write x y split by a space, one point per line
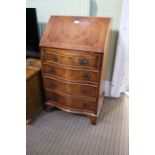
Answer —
110 8
46 8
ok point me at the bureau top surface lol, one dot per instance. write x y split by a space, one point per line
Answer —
76 33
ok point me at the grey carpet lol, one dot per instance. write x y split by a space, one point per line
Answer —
62 133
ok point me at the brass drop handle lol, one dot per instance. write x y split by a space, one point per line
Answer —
83 62
52 70
84 91
54 97
54 58
86 76
84 104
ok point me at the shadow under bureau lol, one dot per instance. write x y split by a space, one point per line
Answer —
74 55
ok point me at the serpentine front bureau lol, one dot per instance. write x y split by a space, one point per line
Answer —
74 54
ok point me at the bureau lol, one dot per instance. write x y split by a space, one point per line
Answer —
74 55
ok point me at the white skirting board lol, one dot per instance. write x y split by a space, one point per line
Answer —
107 88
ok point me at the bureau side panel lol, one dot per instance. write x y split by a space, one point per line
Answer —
104 67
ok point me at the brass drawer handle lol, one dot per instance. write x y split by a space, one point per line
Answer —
84 90
54 97
52 85
84 104
86 76
52 70
83 62
54 58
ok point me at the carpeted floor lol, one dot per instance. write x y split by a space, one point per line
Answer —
62 133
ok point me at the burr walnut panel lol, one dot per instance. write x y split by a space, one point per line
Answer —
78 33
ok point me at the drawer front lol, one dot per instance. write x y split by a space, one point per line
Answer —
69 88
75 75
70 58
73 103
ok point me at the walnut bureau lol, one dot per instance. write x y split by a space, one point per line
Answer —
74 55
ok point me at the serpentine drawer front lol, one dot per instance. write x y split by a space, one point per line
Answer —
70 88
71 102
74 58
71 74
71 58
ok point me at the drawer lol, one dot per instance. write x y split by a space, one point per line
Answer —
73 103
75 75
70 88
71 58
